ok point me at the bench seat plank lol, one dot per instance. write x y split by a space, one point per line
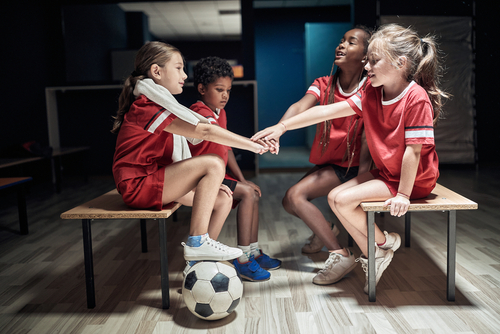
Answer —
111 206
441 198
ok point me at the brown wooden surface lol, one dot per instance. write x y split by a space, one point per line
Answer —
42 286
7 181
111 206
441 198
9 162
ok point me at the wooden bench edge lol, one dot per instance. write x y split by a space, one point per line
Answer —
421 205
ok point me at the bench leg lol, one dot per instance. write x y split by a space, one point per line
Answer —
407 229
89 263
21 207
371 256
452 252
144 236
165 293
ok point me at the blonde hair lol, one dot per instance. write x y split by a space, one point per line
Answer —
150 53
422 57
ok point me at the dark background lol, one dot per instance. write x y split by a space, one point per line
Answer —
36 54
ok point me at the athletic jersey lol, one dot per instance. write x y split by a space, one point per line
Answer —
142 147
219 119
391 125
335 151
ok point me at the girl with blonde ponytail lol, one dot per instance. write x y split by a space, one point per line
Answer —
152 165
399 107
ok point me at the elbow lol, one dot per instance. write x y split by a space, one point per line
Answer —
205 131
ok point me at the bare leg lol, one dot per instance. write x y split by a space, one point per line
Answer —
345 200
222 208
248 214
205 173
317 183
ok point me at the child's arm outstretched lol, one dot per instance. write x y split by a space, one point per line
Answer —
401 202
215 134
311 116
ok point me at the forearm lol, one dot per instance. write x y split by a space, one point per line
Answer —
212 133
409 169
365 158
318 114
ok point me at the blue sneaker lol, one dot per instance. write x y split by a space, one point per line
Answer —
266 262
251 270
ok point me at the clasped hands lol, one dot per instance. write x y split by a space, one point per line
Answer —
269 137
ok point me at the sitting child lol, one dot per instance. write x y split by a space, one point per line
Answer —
213 79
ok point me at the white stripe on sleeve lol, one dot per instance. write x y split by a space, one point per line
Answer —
315 90
163 116
419 134
357 101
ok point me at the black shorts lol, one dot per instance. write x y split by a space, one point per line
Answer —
230 183
343 173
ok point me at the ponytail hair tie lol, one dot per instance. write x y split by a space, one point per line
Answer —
135 73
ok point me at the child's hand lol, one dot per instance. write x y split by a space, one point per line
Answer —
399 205
261 147
254 186
270 134
273 146
226 189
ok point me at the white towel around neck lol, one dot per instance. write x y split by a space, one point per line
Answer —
161 96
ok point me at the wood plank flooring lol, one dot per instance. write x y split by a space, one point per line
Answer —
42 287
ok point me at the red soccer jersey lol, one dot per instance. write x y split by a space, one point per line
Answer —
142 147
391 125
337 147
205 146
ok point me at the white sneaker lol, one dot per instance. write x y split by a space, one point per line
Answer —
186 269
211 250
392 241
382 260
315 244
336 267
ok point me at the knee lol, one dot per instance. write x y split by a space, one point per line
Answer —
214 164
249 194
337 200
223 201
292 197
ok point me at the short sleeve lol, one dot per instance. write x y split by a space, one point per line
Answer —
355 102
317 87
419 128
149 115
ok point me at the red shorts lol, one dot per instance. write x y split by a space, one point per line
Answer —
144 192
416 193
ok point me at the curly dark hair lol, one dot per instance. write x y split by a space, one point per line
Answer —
209 69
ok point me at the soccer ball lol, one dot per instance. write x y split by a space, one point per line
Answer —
212 290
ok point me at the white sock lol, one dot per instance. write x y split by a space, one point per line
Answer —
246 253
254 247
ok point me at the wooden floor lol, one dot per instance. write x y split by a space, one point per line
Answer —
42 286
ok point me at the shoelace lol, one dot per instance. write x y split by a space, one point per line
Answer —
364 265
213 243
331 261
216 244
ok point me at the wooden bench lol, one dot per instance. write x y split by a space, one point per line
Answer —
55 162
18 184
440 199
111 206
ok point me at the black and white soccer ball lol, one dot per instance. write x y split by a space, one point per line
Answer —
212 290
